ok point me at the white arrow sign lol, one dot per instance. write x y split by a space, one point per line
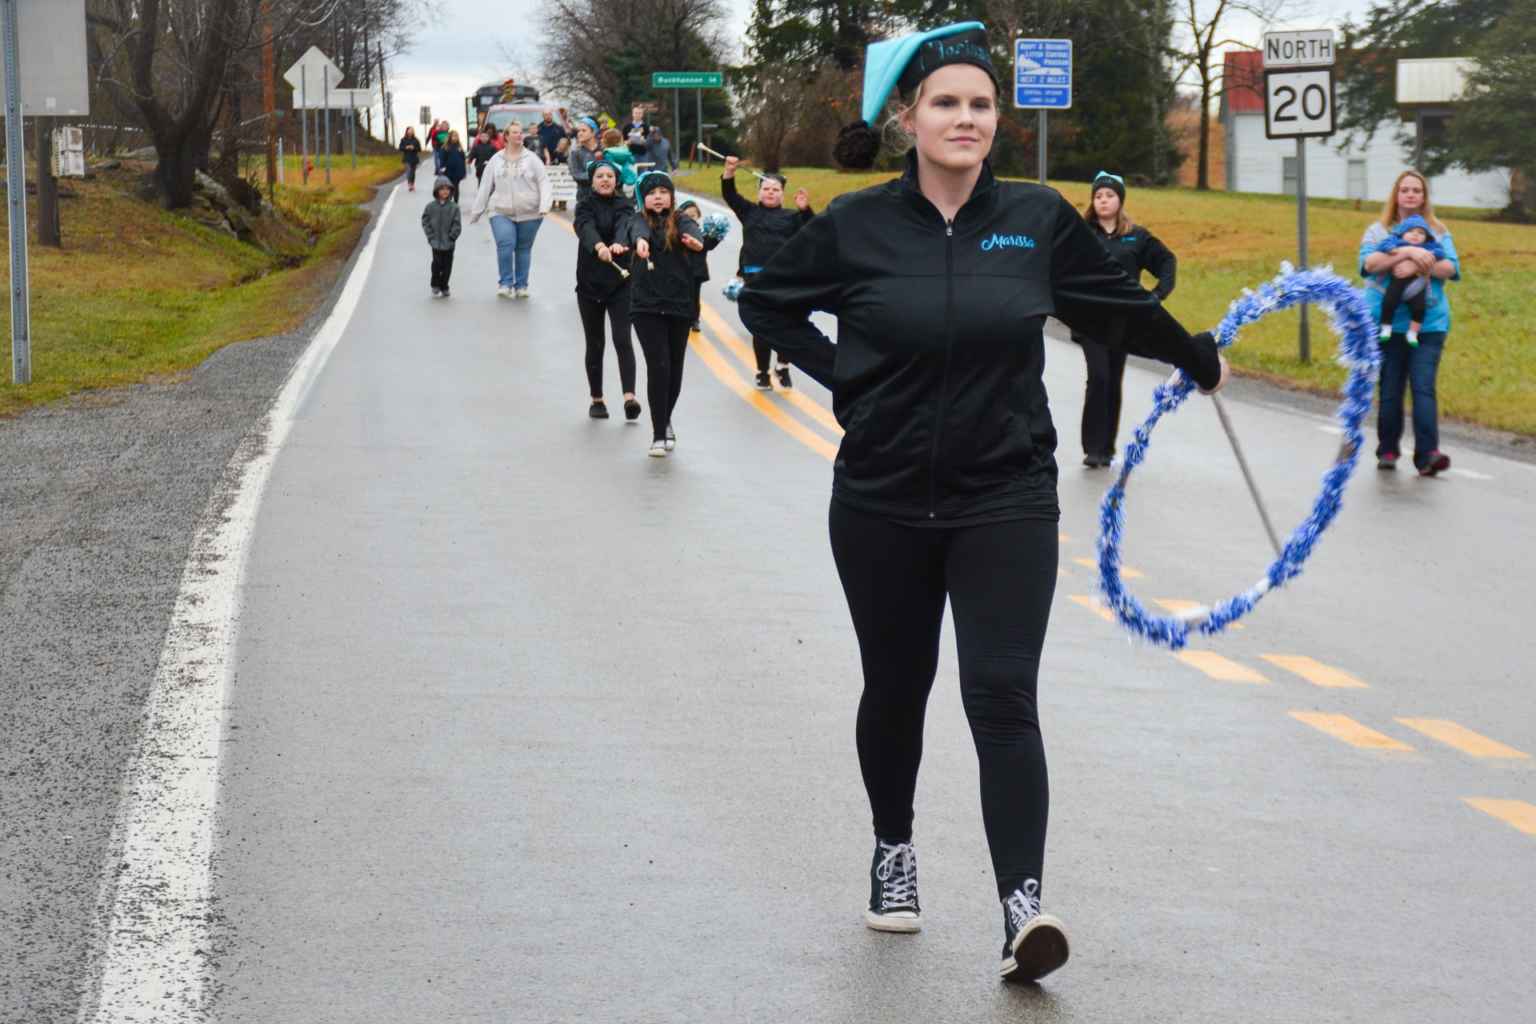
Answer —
309 72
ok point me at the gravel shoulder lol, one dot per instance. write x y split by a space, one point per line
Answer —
100 496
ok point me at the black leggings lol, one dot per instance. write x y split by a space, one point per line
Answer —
664 340
999 579
1101 398
617 311
761 349
1394 297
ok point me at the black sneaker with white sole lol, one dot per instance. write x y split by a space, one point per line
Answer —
893 889
782 373
763 383
1034 944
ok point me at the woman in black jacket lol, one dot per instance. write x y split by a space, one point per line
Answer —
455 169
765 226
410 155
944 487
602 284
1135 249
661 299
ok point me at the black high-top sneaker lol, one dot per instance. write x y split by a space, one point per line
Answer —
893 889
1034 944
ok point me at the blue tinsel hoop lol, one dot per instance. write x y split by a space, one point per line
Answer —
1358 352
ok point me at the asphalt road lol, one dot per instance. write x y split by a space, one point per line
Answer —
525 726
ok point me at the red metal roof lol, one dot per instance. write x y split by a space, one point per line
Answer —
1243 80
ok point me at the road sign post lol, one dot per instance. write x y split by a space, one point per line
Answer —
1042 81
678 81
1299 103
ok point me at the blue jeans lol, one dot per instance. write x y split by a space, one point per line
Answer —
1406 367
514 249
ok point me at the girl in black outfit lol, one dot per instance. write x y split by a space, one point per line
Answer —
481 152
1135 249
661 301
602 289
699 261
410 155
455 169
765 226
945 485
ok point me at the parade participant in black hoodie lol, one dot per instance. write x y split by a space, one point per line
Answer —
1135 249
765 226
944 485
661 298
698 260
602 284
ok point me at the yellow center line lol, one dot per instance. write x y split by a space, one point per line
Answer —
1093 605
743 353
1516 813
1315 672
1063 538
1219 668
1346 729
1462 738
1178 606
1126 572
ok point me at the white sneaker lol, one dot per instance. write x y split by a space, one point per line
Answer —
522 293
437 293
658 450
503 293
671 441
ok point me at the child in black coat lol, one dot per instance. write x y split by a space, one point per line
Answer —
713 232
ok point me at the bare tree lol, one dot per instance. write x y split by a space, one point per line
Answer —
1201 21
602 53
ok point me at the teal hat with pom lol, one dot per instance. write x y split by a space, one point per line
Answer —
903 63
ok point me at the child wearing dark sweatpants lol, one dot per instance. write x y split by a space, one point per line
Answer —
442 223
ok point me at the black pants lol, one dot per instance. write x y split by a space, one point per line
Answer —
999 579
1394 298
616 309
1101 399
664 340
698 291
760 348
442 267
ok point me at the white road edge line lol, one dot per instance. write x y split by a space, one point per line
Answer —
157 903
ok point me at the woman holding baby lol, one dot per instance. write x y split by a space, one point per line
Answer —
1410 354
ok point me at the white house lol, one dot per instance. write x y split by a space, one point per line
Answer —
1259 164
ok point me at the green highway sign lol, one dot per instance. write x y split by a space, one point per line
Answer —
687 80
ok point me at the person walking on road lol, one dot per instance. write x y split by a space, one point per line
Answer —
661 151
550 136
517 193
455 169
1405 366
699 261
765 226
1136 249
410 155
587 151
944 486
438 138
442 223
661 302
481 152
602 226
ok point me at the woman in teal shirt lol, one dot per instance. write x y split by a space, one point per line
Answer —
1403 365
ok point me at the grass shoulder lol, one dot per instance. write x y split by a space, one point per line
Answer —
139 293
1230 241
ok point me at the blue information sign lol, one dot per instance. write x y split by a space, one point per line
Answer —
1042 74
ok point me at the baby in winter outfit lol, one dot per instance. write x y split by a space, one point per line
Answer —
442 224
618 154
1413 291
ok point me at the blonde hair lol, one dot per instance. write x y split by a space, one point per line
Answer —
1389 211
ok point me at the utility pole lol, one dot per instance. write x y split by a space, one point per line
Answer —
384 91
48 232
269 95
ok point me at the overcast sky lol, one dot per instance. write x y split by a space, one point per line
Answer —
466 46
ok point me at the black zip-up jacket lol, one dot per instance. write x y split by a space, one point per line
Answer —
602 219
936 374
763 231
699 261
1135 251
479 155
667 289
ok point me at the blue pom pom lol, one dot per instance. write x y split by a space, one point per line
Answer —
715 227
1358 351
733 287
